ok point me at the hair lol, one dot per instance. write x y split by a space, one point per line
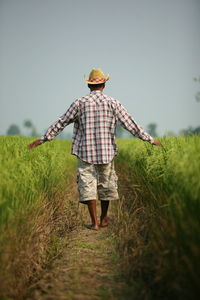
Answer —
95 86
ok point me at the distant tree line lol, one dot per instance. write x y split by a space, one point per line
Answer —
152 130
190 131
120 131
30 129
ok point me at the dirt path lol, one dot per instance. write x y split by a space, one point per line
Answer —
87 269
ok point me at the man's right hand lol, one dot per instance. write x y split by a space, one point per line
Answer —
34 144
157 143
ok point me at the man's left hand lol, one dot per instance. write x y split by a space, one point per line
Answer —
34 144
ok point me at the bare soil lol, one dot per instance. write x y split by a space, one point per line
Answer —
87 269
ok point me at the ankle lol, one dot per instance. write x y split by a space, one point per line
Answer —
103 222
95 226
95 223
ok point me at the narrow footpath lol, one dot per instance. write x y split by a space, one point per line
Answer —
88 269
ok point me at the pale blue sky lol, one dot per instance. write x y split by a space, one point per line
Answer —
150 48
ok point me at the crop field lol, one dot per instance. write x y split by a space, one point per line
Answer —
156 223
36 208
158 229
27 176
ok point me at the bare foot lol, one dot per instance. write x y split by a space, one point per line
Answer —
104 222
92 227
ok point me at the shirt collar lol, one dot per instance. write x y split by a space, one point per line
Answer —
95 92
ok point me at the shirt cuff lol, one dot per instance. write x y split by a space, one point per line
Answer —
43 140
151 140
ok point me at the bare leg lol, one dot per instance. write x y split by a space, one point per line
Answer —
93 214
104 210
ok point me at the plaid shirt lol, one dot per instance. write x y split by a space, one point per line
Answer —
95 117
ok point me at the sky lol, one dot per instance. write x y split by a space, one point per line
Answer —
150 48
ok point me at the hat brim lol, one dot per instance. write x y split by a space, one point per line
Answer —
99 82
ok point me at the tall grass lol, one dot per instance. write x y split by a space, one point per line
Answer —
37 205
157 225
26 175
158 229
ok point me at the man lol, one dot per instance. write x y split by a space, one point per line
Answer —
95 117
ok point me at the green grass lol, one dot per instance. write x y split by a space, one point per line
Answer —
37 206
84 245
157 226
158 232
27 175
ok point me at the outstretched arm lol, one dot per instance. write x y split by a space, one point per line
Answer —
128 123
58 126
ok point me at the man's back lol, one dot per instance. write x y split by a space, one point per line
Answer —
94 128
95 117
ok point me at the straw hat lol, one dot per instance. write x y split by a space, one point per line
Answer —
96 77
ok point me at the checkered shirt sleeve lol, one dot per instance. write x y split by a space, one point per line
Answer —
128 123
63 121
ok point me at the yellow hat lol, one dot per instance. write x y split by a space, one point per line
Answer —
96 77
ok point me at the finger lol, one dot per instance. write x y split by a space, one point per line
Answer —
30 146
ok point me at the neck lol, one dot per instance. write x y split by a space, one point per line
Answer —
96 89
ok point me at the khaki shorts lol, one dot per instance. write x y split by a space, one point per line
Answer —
97 181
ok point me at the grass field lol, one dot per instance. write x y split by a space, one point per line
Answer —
157 224
158 229
36 208
27 175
